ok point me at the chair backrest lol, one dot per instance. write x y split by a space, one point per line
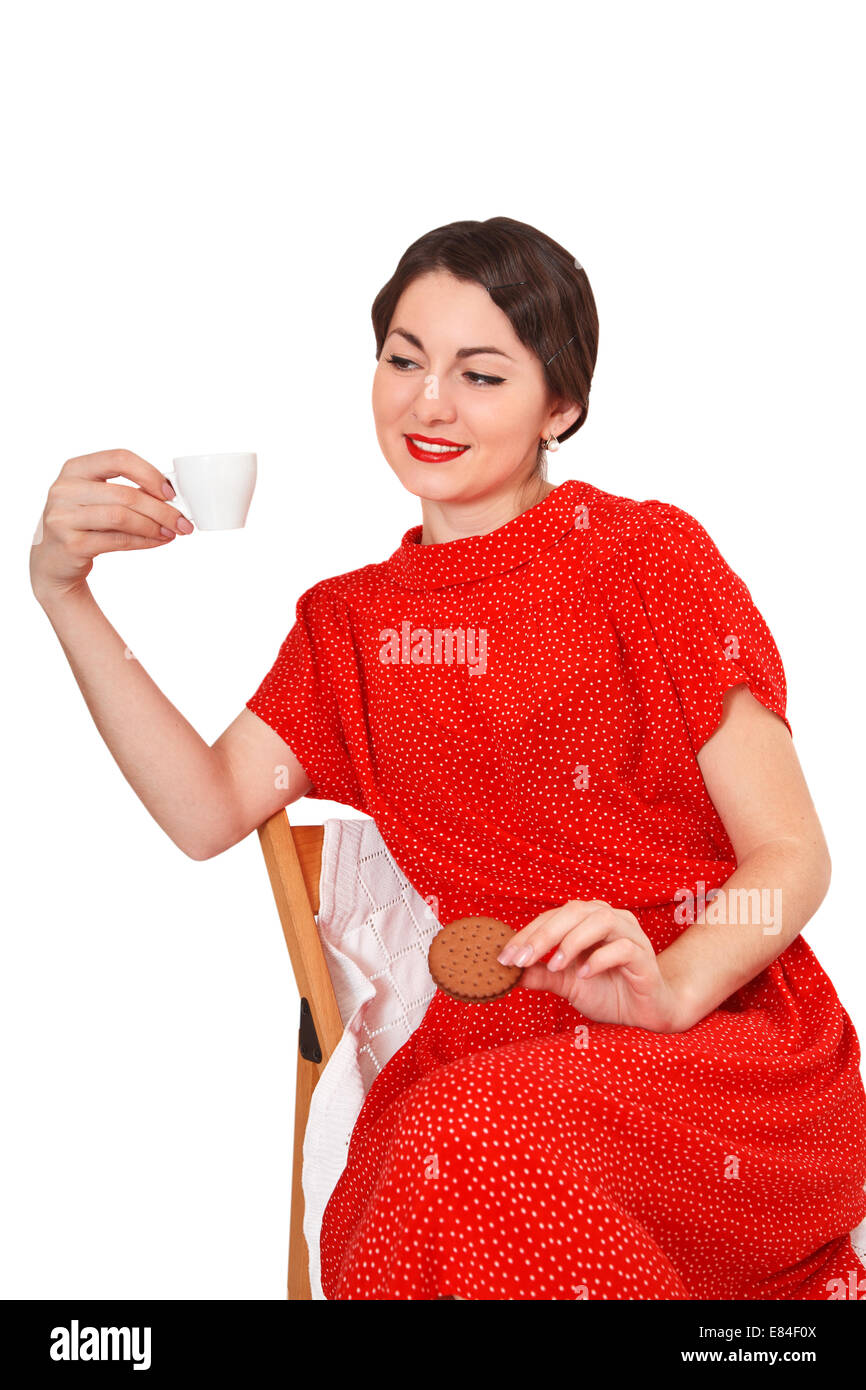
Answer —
293 855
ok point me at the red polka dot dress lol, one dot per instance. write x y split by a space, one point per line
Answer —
520 713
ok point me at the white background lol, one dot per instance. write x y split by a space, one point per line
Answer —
201 202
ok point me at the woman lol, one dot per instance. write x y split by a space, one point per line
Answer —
562 709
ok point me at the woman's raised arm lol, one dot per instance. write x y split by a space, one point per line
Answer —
205 798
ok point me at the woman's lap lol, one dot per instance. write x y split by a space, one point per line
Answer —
576 1165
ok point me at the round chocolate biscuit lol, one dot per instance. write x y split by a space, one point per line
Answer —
462 960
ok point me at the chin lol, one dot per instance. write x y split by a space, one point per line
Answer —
431 480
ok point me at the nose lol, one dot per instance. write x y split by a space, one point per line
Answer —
430 405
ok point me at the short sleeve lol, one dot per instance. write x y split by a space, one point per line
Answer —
708 631
300 698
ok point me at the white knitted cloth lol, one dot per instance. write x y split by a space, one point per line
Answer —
375 929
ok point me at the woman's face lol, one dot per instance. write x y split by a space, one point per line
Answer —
453 369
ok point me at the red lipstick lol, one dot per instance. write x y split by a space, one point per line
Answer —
441 455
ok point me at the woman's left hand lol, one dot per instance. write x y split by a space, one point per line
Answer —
605 966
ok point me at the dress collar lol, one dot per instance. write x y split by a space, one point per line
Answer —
422 567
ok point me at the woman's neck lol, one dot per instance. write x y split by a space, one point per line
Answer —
450 521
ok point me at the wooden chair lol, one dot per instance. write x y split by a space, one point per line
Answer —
293 855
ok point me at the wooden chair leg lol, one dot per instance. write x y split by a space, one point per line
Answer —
299 1267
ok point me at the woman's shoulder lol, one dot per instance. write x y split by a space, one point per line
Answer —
340 587
621 528
617 515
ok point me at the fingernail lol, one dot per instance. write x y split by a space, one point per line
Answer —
167 489
184 525
165 531
523 955
505 955
555 961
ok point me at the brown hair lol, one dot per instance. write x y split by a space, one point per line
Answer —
554 305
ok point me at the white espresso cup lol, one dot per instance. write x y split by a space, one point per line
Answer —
215 489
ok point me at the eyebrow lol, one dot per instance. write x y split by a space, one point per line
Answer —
461 352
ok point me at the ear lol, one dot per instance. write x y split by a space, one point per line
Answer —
565 418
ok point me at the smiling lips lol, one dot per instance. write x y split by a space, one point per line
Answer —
438 450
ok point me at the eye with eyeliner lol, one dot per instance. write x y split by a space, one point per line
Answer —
480 378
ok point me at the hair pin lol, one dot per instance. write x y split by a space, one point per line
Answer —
559 350
508 285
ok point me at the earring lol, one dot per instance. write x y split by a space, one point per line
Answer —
552 443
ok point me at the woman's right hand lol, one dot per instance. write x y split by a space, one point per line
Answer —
85 515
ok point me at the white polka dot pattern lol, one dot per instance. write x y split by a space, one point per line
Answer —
519 712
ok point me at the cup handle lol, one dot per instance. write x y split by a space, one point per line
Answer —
171 477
